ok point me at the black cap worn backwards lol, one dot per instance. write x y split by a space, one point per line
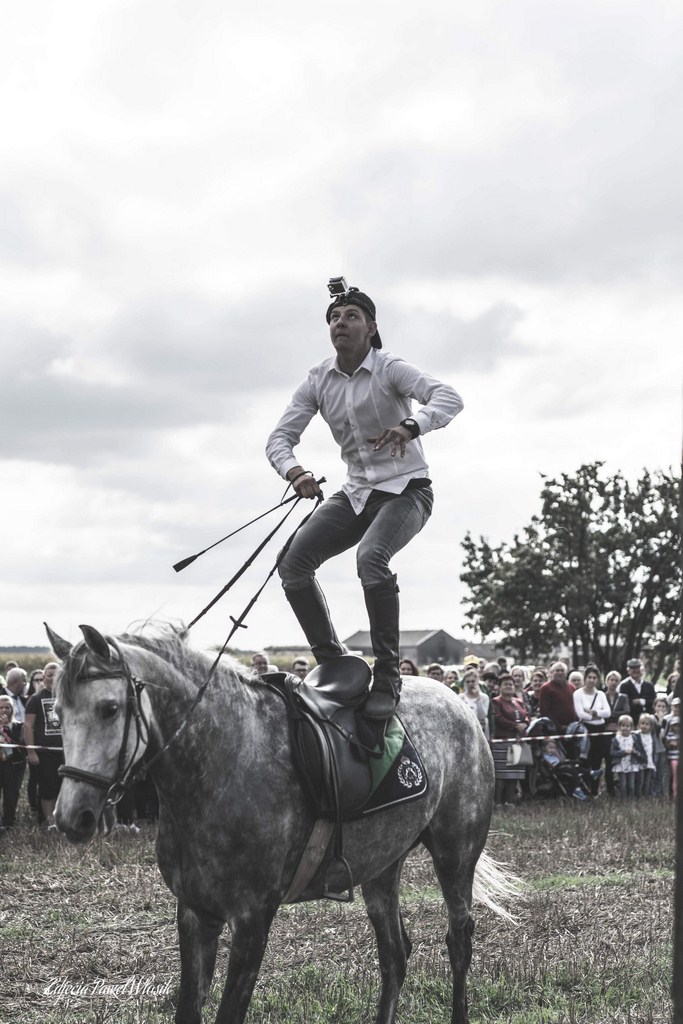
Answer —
354 297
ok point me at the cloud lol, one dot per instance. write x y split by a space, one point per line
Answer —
177 185
453 343
168 362
535 211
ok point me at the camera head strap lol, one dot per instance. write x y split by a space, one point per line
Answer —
343 295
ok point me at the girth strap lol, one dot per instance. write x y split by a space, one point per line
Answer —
311 859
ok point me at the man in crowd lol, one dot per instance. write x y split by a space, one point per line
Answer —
259 663
365 397
300 667
556 697
15 685
640 693
42 729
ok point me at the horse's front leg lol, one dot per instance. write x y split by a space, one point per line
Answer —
249 939
198 945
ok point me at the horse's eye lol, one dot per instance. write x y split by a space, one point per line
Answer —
109 709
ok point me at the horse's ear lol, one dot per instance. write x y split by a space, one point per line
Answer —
95 642
61 647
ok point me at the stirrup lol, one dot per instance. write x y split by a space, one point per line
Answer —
343 896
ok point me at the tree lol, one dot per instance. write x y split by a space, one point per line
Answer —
598 568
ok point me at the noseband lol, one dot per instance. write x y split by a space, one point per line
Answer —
117 786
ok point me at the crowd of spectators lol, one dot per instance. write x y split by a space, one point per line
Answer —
568 731
561 730
550 730
31 749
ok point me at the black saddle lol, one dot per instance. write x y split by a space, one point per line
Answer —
332 743
335 685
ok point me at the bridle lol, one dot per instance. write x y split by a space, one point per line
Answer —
135 716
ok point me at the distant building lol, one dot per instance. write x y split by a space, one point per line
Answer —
424 646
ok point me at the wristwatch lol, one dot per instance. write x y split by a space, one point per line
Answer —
412 425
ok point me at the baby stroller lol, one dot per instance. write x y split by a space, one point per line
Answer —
577 742
555 772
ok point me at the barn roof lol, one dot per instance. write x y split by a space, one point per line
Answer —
409 637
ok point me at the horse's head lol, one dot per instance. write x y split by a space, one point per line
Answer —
103 713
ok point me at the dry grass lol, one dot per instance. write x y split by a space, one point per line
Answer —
592 943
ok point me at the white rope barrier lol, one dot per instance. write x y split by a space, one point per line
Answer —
26 746
560 736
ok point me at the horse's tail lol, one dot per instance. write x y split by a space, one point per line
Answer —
496 887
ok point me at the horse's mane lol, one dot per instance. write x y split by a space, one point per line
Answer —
168 643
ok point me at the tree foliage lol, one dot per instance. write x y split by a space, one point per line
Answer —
599 569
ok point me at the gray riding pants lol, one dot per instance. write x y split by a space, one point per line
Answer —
386 524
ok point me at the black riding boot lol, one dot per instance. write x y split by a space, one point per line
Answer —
310 607
382 605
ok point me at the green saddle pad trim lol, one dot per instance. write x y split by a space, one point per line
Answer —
394 737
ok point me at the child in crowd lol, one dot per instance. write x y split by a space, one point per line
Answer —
628 754
579 781
645 779
670 737
662 772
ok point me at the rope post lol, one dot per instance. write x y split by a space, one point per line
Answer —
677 985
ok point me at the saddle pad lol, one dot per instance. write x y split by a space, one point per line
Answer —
399 775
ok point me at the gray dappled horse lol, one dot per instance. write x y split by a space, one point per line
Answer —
233 821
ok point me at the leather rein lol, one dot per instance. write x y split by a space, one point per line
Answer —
127 773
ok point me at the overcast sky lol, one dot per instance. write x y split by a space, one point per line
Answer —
179 181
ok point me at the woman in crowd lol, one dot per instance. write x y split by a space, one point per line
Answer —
592 708
452 679
618 706
489 677
511 720
575 679
520 678
538 677
476 700
408 668
671 684
12 761
35 681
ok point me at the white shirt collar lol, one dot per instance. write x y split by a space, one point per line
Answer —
367 364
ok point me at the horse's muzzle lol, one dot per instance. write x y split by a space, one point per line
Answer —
79 819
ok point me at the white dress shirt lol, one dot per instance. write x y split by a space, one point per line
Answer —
375 397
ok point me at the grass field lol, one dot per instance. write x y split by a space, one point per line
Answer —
592 943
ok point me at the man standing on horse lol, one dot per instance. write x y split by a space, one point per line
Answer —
364 395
